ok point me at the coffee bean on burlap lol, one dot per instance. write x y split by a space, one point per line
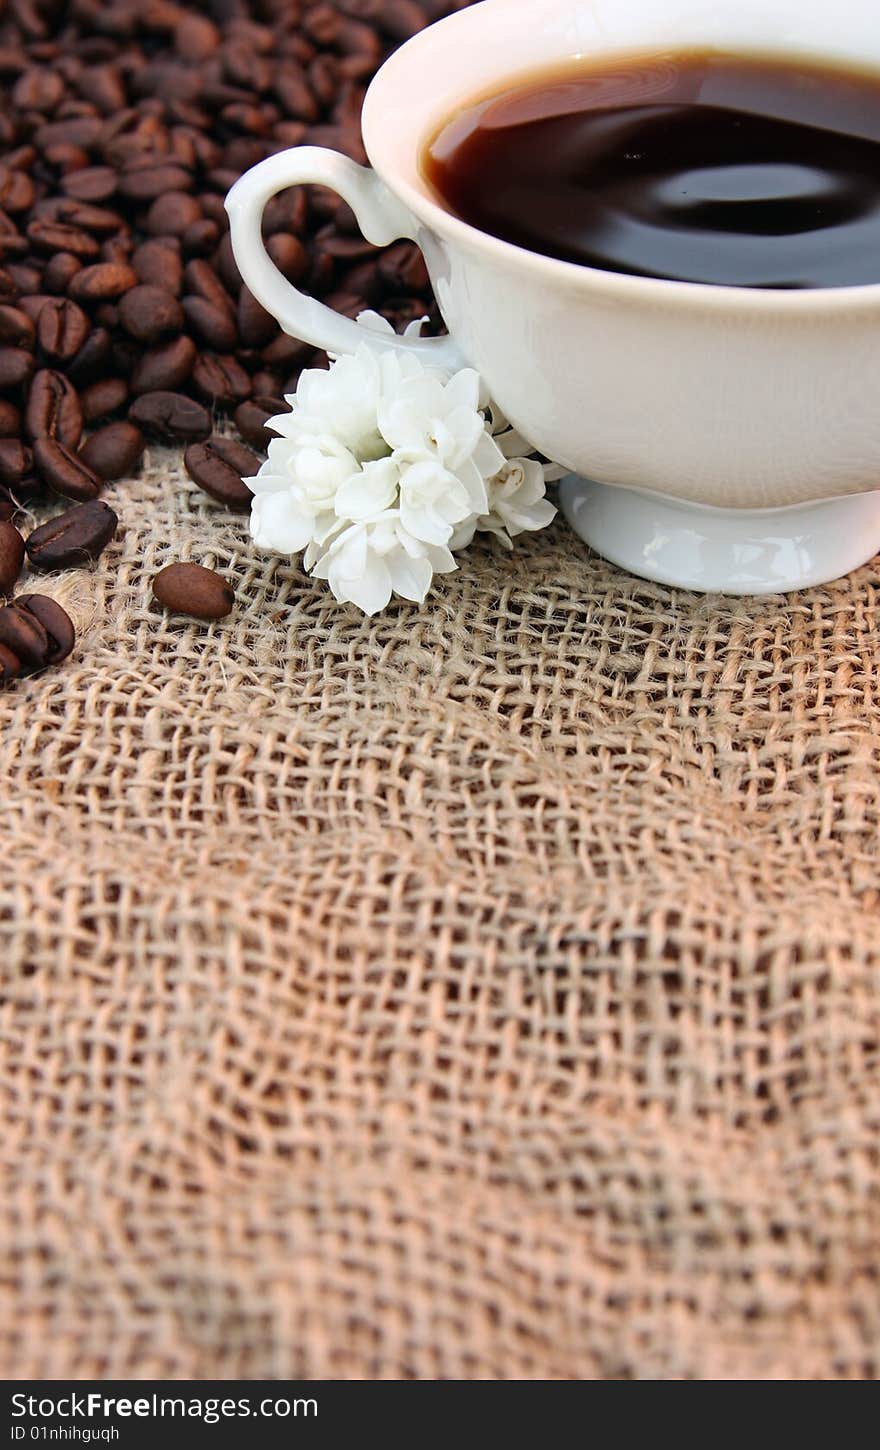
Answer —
61 330
218 466
8 506
11 556
55 623
73 538
191 589
103 398
64 471
10 665
114 451
53 408
36 630
171 417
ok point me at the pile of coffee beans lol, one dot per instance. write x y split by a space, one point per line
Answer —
123 318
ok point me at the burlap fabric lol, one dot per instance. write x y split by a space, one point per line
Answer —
490 990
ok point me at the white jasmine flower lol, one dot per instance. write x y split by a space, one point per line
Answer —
342 401
371 560
517 497
426 417
432 501
384 465
369 491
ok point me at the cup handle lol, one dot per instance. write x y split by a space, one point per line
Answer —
382 219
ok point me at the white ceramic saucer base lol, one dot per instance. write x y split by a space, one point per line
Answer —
728 551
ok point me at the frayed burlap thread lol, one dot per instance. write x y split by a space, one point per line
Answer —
488 990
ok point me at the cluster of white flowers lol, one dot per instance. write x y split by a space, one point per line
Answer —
384 467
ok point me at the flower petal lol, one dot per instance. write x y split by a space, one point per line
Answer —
279 524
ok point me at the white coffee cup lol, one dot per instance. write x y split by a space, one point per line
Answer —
731 436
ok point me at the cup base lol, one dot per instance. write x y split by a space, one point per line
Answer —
722 550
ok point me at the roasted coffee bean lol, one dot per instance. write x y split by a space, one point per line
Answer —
23 634
288 352
402 268
102 282
200 280
12 243
256 326
16 328
292 89
53 236
171 214
10 420
287 212
53 409
103 398
158 264
218 466
148 313
148 182
24 277
212 325
64 471
8 505
16 462
61 330
164 367
82 131
39 620
170 417
221 380
33 304
401 19
11 556
93 357
114 451
191 589
289 256
10 665
91 183
16 366
250 420
38 89
200 239
60 271
195 37
227 270
73 538
65 157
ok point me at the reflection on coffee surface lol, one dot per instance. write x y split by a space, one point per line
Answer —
701 167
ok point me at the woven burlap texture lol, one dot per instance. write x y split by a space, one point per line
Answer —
488 990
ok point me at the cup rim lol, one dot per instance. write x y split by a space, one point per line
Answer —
575 276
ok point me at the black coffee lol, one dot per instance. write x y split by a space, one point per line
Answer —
701 167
